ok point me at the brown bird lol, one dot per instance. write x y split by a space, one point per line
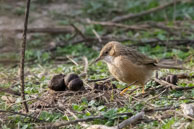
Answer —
128 65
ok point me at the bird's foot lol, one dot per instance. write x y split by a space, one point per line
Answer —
123 91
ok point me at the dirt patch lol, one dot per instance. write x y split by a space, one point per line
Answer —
64 100
41 15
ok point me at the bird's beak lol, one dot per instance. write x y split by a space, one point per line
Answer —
96 60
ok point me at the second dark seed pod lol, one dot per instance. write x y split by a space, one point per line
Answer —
73 82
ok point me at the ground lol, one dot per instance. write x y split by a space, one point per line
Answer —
166 34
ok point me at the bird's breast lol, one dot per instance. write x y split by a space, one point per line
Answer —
126 71
116 69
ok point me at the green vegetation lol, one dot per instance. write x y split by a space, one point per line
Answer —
41 65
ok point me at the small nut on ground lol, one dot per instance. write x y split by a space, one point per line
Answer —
57 83
69 77
75 84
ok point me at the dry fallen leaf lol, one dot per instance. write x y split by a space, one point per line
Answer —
8 99
188 109
100 127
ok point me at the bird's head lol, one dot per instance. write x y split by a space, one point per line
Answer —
108 52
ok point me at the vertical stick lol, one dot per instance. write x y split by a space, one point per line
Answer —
22 54
174 11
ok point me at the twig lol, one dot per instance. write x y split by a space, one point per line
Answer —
192 98
152 10
84 73
161 109
154 42
97 35
97 80
184 88
53 30
174 87
131 120
86 64
184 76
18 113
112 24
10 91
72 113
165 83
72 60
79 31
108 80
99 127
22 60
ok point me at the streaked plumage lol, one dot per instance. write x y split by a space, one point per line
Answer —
127 64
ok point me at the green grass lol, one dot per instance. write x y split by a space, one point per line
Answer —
41 66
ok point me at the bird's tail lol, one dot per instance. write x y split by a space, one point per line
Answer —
170 67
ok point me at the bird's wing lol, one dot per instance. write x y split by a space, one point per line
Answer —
139 58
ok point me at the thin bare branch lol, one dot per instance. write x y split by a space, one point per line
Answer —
131 120
152 10
21 114
169 85
22 60
97 35
53 30
112 24
79 31
10 91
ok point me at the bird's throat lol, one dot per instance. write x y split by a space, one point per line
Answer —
109 59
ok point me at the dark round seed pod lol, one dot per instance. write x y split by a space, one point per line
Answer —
57 83
69 77
75 84
168 78
173 79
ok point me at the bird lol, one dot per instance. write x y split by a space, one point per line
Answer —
128 65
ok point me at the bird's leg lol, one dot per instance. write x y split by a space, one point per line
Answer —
123 91
143 88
